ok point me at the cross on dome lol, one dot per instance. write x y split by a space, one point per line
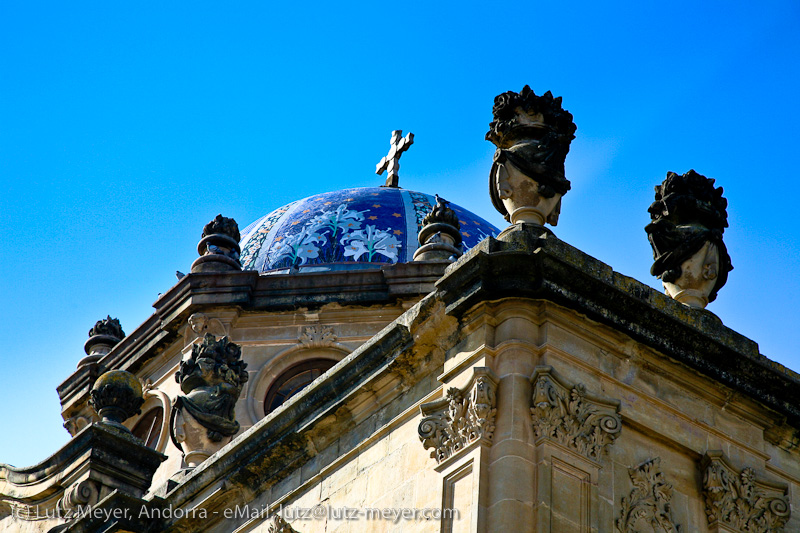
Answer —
391 162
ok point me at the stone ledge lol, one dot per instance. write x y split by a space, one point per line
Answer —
530 263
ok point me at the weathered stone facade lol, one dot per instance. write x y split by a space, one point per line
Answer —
524 387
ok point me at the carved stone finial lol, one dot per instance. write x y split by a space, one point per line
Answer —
532 134
219 246
116 396
203 420
461 418
391 162
688 218
739 501
648 507
440 236
568 415
104 335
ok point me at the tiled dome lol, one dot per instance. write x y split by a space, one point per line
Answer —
351 228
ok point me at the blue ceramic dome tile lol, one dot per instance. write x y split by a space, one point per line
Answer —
351 228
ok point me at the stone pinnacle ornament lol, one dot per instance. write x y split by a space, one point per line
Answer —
688 218
532 134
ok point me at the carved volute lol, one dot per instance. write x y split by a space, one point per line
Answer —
463 417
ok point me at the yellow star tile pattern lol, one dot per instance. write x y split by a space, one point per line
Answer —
397 232
465 234
398 215
376 205
373 217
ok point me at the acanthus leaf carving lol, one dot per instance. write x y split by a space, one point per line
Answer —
568 415
649 503
738 500
317 336
462 417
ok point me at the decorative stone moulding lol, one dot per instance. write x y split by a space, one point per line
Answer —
116 396
219 247
462 417
105 334
568 415
648 507
203 421
737 502
532 135
317 337
688 218
440 236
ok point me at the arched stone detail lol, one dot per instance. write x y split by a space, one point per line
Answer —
155 398
279 364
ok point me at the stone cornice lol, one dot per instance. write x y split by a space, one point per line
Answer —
97 461
532 263
249 291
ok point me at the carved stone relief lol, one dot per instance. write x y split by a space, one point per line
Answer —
279 525
568 415
736 499
464 416
199 324
317 336
648 507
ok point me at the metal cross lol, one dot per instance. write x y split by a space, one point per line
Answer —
392 161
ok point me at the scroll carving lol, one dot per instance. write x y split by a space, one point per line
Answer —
317 336
462 417
737 500
568 415
648 508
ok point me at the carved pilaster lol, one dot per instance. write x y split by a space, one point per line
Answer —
648 507
738 502
463 417
568 415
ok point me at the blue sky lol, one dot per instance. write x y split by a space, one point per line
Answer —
125 128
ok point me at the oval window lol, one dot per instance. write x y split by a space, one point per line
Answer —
293 381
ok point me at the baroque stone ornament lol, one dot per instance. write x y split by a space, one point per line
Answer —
391 163
440 236
688 218
461 417
317 336
105 334
203 420
737 500
116 396
568 415
219 246
648 507
532 135
279 525
200 324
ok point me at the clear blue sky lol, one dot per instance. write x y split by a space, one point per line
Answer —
125 127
